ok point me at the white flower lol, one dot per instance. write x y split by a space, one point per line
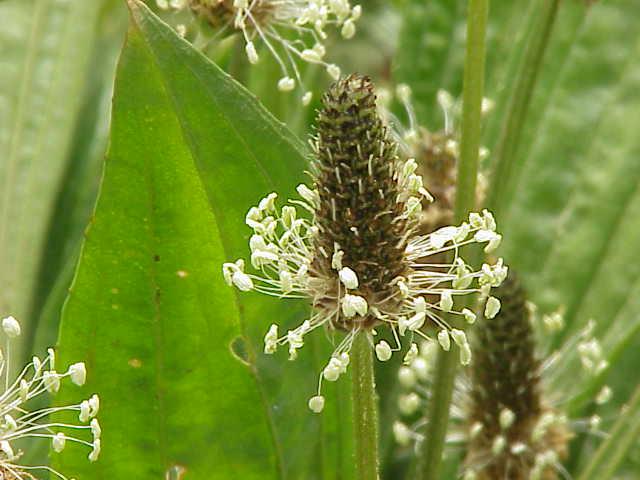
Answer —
348 278
492 308
383 351
251 52
271 340
11 327
78 373
342 268
408 404
21 422
286 84
316 403
402 433
444 340
354 304
292 31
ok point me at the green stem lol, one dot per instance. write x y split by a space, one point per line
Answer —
447 362
506 148
623 435
473 90
365 409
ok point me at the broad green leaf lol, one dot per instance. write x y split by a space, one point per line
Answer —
190 152
45 49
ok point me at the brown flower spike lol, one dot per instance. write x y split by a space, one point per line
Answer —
359 259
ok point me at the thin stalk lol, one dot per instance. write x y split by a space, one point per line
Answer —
623 435
473 89
365 409
506 149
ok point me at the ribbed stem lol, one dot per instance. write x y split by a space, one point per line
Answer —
465 201
506 149
365 409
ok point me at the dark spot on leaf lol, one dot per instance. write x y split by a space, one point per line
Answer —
156 258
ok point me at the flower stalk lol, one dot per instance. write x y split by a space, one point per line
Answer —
365 409
473 88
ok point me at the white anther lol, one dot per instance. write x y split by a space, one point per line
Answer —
444 340
333 71
407 377
286 84
242 281
411 355
401 433
78 373
459 337
469 316
408 404
316 403
492 307
507 417
11 327
57 442
383 351
252 55
271 340
93 456
51 381
354 304
498 445
96 430
604 395
348 29
309 195
348 278
446 301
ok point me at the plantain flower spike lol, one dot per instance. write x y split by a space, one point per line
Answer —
350 244
509 403
20 421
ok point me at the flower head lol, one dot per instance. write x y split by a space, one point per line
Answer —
507 406
436 152
20 422
351 246
292 31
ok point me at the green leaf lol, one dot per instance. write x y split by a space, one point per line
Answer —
430 53
75 200
46 50
579 185
624 435
175 356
